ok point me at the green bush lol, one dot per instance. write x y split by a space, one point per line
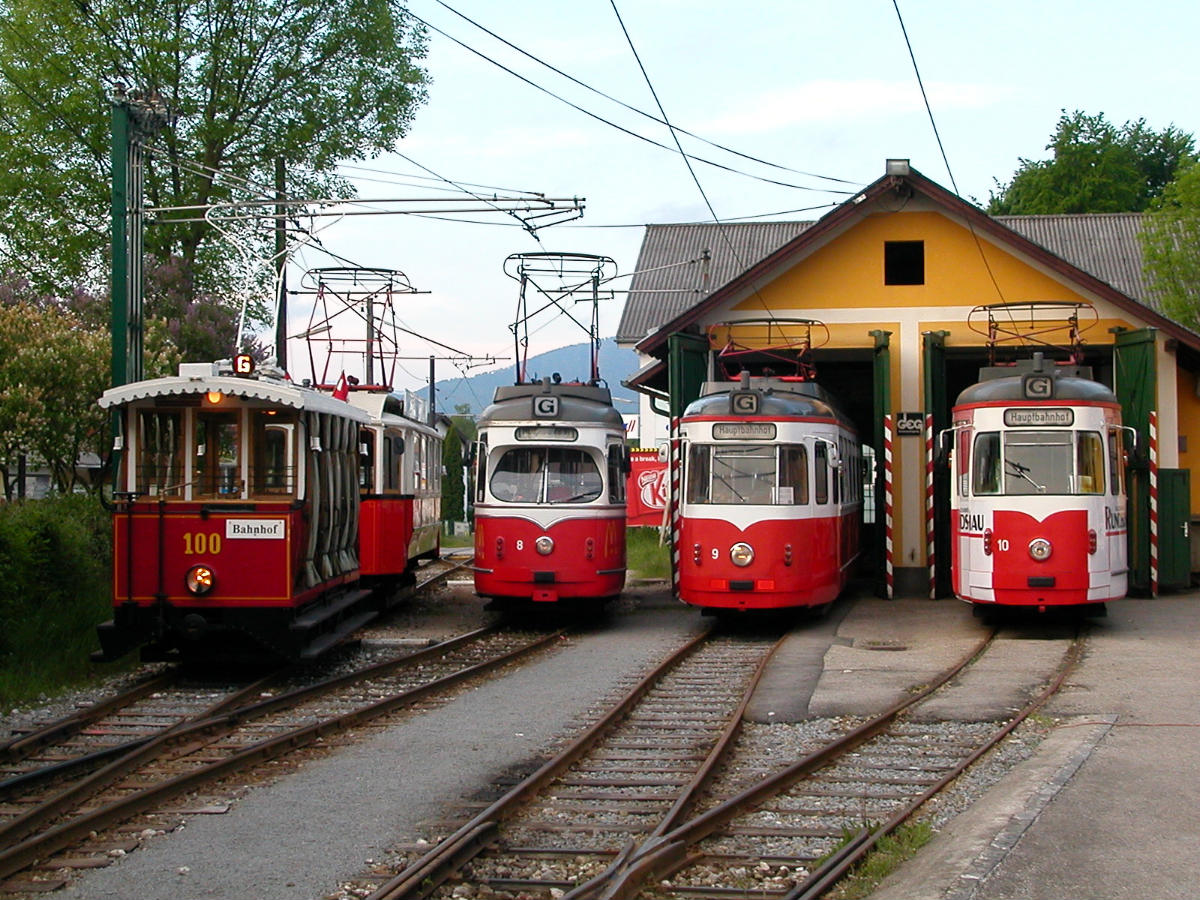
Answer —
55 586
646 556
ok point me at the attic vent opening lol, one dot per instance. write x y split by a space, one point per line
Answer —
904 262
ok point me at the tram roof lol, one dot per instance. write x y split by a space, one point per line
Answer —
1067 388
193 381
576 403
779 397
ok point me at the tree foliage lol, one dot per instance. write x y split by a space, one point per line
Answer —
55 362
1171 247
313 83
1096 168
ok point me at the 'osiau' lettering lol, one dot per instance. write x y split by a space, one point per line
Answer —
969 521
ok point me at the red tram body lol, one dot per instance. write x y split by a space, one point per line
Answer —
550 465
1038 499
772 497
401 486
238 517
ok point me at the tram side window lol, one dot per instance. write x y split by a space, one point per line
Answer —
616 473
366 460
274 470
821 475
985 466
160 457
218 455
1114 461
698 472
793 474
1089 463
481 452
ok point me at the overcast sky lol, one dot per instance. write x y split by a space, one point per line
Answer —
826 89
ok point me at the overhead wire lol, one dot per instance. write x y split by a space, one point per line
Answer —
611 124
632 108
941 147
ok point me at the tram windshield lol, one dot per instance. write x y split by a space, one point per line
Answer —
761 474
1038 462
546 475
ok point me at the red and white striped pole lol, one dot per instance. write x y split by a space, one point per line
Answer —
930 548
1153 503
676 467
887 505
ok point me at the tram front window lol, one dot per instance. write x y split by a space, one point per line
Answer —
546 475
747 473
1038 462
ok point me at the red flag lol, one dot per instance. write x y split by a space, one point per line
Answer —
342 390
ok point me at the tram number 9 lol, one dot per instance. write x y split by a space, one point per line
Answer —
716 554
201 543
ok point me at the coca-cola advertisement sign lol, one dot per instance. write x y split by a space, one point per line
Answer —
647 488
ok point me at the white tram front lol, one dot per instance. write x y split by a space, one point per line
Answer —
772 500
550 466
1038 499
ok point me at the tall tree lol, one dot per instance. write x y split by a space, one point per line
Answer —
1096 167
312 83
1171 247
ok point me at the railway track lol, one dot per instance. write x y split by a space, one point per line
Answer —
615 816
55 826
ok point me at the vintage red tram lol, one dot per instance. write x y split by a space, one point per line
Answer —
237 514
550 475
771 505
1038 501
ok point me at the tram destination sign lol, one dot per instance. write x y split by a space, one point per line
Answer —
1058 417
743 431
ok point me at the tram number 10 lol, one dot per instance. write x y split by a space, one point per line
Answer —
201 543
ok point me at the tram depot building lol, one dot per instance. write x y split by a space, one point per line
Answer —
898 297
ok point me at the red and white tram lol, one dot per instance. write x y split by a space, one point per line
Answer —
550 468
772 496
1038 502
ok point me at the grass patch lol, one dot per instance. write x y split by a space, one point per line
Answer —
645 556
887 855
56 558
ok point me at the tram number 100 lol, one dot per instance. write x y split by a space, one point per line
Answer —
201 543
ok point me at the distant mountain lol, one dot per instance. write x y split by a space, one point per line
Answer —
573 363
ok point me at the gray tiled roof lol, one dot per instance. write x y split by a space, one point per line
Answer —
670 277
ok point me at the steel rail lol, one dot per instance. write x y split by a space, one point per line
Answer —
15 858
669 850
838 866
24 746
432 869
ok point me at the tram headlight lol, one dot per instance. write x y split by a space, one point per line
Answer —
1040 549
544 545
741 554
200 580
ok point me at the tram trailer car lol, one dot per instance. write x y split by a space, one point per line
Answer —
1038 498
401 489
236 520
772 499
551 463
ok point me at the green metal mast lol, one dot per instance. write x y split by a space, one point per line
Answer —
134 121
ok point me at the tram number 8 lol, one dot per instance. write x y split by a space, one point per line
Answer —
201 543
